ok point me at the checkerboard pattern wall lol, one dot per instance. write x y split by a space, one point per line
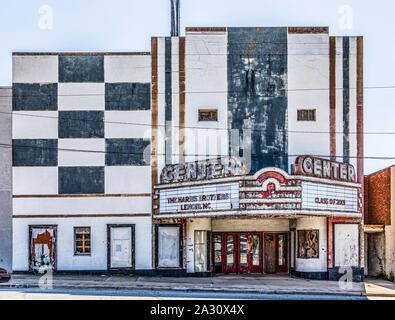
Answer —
81 123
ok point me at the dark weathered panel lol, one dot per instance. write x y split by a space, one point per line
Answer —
81 124
128 96
168 101
88 68
127 152
34 152
257 97
332 96
81 180
34 96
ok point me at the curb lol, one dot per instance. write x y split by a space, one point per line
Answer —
183 289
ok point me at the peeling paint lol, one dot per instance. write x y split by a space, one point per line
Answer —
257 97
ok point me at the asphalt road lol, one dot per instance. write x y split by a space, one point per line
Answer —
38 294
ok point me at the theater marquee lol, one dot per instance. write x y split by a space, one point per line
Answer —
320 196
318 187
203 198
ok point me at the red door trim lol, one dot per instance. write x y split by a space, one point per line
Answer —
250 268
284 268
279 269
215 268
225 267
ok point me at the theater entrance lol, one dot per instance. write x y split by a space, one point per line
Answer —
250 252
276 252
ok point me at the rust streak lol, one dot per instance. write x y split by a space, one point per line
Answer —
308 30
181 62
205 29
154 139
80 53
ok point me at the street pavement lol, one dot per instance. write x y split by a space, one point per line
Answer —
232 285
79 294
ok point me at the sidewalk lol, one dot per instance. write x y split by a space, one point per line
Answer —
263 284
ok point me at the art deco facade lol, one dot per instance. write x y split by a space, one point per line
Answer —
231 150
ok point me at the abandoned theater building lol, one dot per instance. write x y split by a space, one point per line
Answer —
227 150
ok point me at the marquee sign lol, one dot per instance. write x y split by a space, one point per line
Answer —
204 170
329 189
215 197
324 168
319 196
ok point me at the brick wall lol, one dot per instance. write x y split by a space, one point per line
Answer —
378 197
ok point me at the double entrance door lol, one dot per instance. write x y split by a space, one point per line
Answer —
251 252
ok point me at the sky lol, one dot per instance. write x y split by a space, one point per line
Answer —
128 25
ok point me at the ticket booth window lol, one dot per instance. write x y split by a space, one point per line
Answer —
201 251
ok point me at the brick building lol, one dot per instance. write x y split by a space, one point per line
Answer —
379 219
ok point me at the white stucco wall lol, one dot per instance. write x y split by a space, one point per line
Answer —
206 87
317 264
35 69
339 98
346 248
353 100
82 205
35 180
127 68
65 242
81 96
308 88
35 124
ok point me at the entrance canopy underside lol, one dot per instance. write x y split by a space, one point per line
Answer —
290 214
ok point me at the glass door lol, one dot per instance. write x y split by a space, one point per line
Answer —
250 253
243 253
230 253
217 253
224 252
282 252
255 253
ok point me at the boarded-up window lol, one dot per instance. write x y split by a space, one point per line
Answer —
42 247
346 244
121 247
82 240
308 245
208 115
168 247
306 115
